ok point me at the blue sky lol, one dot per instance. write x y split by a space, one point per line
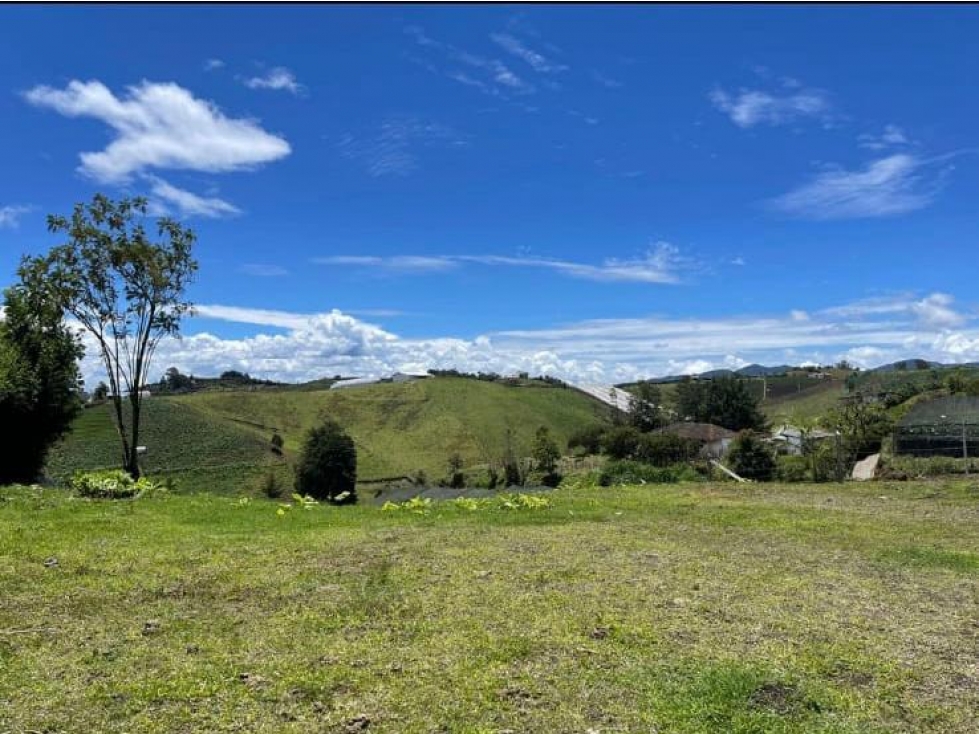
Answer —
596 192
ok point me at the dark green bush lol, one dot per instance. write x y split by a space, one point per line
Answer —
636 472
663 449
621 442
327 469
751 458
588 439
793 469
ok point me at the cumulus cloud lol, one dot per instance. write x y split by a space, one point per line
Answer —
160 126
10 215
660 264
167 199
750 107
304 346
279 78
896 184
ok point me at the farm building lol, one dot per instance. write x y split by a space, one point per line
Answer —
947 426
791 440
396 377
715 439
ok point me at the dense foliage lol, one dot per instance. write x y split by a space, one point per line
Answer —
39 382
327 468
636 472
725 401
645 407
114 485
125 289
751 458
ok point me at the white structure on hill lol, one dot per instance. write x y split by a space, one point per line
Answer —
608 394
396 377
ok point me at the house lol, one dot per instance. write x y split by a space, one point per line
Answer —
715 439
791 439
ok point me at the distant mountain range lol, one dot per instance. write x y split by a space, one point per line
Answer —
758 370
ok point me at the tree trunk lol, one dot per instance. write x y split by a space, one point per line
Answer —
132 461
121 428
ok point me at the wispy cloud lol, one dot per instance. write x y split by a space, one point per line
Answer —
167 197
896 184
750 107
213 64
394 148
160 126
278 78
538 62
489 75
10 215
606 81
891 137
262 270
661 264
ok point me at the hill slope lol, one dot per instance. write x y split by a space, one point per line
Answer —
201 452
402 428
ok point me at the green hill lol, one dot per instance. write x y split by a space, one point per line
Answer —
199 451
220 440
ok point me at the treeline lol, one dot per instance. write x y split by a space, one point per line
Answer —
520 379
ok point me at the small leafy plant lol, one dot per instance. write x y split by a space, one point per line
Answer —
113 484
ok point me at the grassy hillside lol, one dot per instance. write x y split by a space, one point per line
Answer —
806 405
402 428
198 450
701 609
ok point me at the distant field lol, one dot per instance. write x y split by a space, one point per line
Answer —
220 440
701 609
406 427
199 451
807 405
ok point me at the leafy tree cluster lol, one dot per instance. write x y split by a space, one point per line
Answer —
645 407
627 442
862 426
752 458
327 468
125 288
725 401
546 455
39 381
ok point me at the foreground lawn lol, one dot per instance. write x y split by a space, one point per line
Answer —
648 609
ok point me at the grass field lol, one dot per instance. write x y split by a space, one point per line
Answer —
699 608
806 405
402 428
219 441
197 451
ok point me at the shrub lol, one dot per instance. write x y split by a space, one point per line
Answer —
751 458
113 485
793 469
276 444
588 439
455 479
621 442
584 480
636 472
327 469
663 449
538 478
271 486
545 451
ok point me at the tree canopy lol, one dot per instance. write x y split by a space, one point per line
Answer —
725 402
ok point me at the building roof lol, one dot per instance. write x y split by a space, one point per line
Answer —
706 432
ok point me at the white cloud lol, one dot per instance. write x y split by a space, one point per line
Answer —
494 77
660 264
311 345
750 107
897 184
279 78
891 137
536 61
187 204
213 64
10 215
936 310
160 126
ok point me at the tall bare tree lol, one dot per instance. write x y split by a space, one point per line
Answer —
125 289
